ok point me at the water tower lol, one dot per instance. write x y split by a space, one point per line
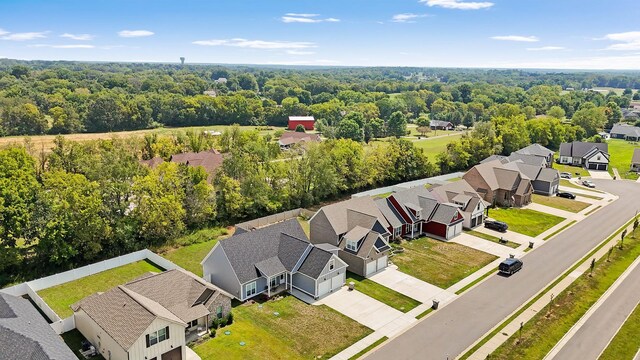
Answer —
182 60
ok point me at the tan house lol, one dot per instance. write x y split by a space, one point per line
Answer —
462 195
635 160
152 317
499 185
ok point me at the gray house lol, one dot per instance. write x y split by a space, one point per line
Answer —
359 231
545 181
635 160
271 260
537 150
625 131
593 156
464 197
25 334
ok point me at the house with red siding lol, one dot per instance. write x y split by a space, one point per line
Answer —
307 121
415 212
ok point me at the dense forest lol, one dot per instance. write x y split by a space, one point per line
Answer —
86 201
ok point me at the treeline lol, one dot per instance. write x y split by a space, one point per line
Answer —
67 97
87 201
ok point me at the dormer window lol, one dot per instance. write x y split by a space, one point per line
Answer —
418 214
352 245
332 264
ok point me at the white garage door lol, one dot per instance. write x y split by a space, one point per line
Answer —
324 287
371 267
453 231
382 263
337 281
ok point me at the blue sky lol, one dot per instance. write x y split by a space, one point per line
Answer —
575 34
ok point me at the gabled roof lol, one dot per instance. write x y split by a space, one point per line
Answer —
390 213
271 266
636 156
301 118
210 160
626 130
315 262
535 149
25 334
528 159
580 149
356 233
445 213
417 199
507 179
284 240
503 159
342 216
501 176
440 123
450 191
367 245
293 137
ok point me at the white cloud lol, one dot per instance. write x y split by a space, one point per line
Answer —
300 52
516 38
305 18
79 37
458 4
317 62
25 36
67 46
547 48
2 32
256 44
626 41
407 17
587 63
134 33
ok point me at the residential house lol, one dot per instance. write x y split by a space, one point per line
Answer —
538 150
635 160
594 156
604 135
441 125
625 131
415 212
499 185
545 181
358 229
465 198
274 259
503 159
151 317
210 160
533 160
291 138
25 334
307 121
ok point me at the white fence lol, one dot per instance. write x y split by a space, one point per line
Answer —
441 179
31 288
272 219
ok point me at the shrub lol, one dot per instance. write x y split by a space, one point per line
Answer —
223 322
300 128
215 324
230 318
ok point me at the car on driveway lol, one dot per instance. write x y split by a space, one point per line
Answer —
566 195
565 175
510 266
496 225
588 184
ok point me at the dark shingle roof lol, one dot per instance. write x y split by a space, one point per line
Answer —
535 149
25 334
285 240
271 266
580 149
315 262
636 156
626 130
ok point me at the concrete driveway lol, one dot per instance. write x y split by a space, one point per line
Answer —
361 308
483 245
509 235
599 174
408 285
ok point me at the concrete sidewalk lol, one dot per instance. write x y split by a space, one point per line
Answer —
553 211
410 286
538 306
487 246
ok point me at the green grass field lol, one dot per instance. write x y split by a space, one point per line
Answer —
61 297
567 183
381 293
491 238
621 152
572 170
574 206
425 259
626 342
73 339
569 306
369 348
299 331
525 221
432 147
188 251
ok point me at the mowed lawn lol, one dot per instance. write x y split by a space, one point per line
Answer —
299 331
189 257
557 202
61 297
572 170
569 184
382 293
525 221
621 153
439 263
432 147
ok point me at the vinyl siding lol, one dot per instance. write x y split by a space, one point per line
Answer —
321 230
355 264
218 271
305 283
261 284
98 337
139 350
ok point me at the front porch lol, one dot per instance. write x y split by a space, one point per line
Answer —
194 333
277 284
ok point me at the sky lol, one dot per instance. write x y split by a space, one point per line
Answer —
554 34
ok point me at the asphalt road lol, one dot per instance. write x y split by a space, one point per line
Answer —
594 335
455 327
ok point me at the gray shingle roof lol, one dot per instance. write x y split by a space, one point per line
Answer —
315 262
390 213
338 214
445 213
528 159
25 334
448 192
535 149
440 123
271 266
503 159
636 156
626 130
285 240
580 149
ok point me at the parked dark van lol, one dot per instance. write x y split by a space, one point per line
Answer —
510 266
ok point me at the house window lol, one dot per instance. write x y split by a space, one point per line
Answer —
193 323
331 264
506 196
418 214
250 289
397 232
219 312
157 336
274 282
352 245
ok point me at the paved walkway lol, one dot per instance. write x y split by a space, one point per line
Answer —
616 173
540 305
487 246
591 335
410 286
599 174
553 211
191 355
509 235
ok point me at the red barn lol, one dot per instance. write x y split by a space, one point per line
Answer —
306 121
